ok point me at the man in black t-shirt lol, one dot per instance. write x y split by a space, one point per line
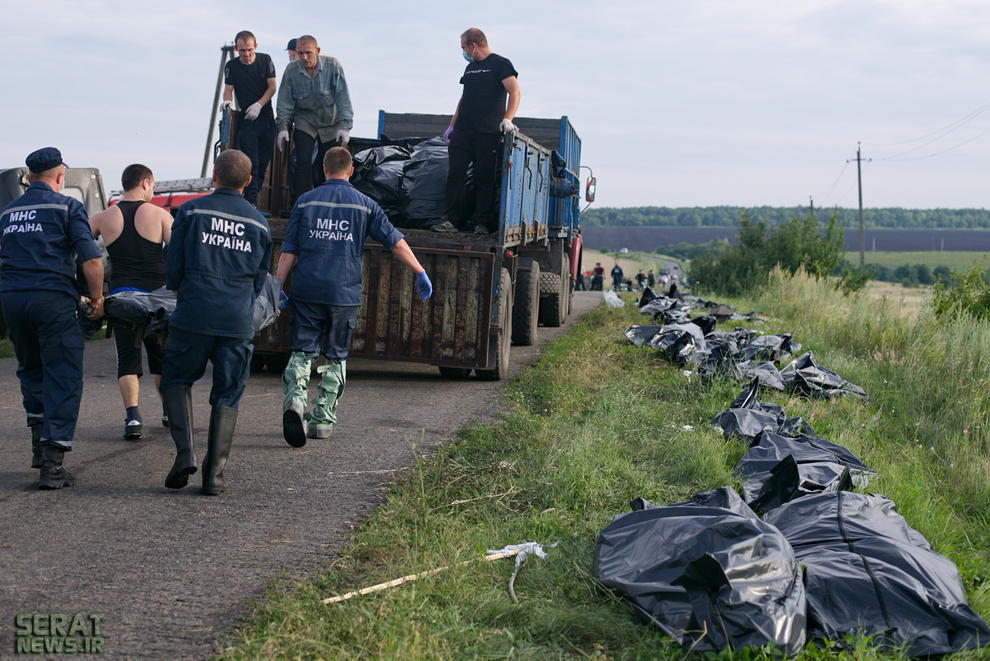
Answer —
488 104
252 78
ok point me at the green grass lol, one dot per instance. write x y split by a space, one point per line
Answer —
954 260
598 422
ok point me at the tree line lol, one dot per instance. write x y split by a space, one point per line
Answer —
728 216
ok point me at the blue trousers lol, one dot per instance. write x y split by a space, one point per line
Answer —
319 328
49 348
184 363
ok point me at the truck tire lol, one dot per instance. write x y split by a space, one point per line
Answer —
526 306
455 372
551 308
504 343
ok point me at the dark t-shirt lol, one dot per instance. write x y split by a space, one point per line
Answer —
250 81
483 100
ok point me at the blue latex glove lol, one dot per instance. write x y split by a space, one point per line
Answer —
447 132
424 288
283 300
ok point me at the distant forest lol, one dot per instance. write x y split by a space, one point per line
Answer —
891 218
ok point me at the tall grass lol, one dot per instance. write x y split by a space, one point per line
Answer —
928 424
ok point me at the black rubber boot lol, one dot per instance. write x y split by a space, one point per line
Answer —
178 402
35 447
223 419
53 474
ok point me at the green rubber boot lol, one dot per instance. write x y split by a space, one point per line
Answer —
325 403
295 381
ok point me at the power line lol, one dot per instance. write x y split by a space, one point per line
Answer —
891 159
944 130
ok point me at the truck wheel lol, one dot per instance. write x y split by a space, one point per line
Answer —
276 362
504 343
257 362
454 372
551 308
526 306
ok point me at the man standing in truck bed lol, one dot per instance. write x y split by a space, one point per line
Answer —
314 99
252 78
487 106
324 242
134 232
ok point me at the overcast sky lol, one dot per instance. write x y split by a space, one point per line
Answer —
696 102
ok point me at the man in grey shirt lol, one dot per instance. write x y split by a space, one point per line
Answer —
313 99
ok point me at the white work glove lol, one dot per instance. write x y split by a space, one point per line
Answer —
226 105
343 137
282 139
507 126
253 111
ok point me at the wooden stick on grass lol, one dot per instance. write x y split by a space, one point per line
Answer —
498 555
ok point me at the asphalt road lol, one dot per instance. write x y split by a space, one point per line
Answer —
172 571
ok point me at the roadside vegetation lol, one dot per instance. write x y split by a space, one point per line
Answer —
598 422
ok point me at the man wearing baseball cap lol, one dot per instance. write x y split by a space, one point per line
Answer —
41 234
291 50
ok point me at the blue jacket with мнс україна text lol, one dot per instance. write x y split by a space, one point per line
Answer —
41 233
326 232
217 261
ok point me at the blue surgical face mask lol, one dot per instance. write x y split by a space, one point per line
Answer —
466 56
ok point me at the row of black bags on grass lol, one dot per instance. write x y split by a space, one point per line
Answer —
800 556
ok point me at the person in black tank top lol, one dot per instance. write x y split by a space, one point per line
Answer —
136 264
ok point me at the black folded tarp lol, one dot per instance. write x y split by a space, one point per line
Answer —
804 376
774 348
777 469
680 343
640 335
424 182
378 174
708 572
868 571
747 418
766 373
266 305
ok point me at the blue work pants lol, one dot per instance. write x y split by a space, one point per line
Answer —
187 353
320 328
49 348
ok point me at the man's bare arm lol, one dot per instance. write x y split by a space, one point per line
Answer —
511 85
285 263
404 254
269 93
166 226
228 93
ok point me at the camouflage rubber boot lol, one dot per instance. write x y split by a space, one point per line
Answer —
295 380
325 403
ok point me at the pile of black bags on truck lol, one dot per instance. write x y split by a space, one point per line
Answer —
800 556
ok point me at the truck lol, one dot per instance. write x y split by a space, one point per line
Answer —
490 291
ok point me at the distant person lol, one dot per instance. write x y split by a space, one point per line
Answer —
486 109
313 99
42 233
291 50
598 277
579 281
651 279
326 290
641 279
134 233
252 78
217 263
617 277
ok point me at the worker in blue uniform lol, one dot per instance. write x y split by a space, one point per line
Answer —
41 234
323 242
217 262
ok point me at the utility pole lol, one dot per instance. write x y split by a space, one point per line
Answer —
862 231
226 53
811 201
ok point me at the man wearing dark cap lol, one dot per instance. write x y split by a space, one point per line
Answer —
291 50
252 78
217 262
41 234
